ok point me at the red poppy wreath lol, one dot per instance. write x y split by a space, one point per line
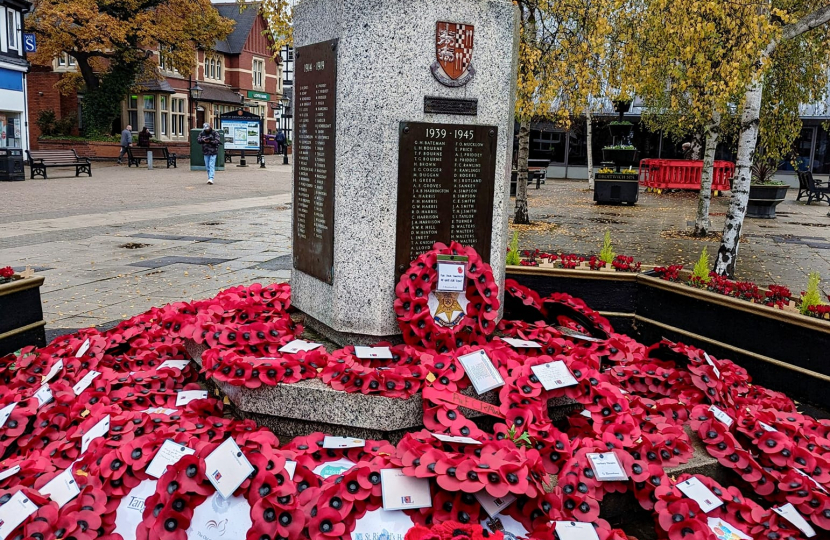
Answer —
444 321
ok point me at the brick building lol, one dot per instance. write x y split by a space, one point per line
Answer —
238 72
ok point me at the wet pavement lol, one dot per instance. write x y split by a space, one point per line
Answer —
781 251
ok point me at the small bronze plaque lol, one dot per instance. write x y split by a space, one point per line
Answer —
315 101
440 105
446 182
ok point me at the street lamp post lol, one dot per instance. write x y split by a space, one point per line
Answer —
285 103
195 96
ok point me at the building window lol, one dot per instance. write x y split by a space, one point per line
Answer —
258 73
165 63
177 114
10 129
164 115
132 112
12 28
150 113
213 67
65 60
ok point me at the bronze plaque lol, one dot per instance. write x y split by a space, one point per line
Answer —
315 94
446 182
442 105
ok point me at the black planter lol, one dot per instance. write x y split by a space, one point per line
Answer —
622 106
22 321
781 350
764 199
616 188
620 131
619 157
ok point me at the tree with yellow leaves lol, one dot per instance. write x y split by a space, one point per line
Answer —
567 57
113 44
800 35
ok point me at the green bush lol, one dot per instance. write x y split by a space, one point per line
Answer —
702 268
812 296
513 251
607 254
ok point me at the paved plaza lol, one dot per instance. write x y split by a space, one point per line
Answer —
116 244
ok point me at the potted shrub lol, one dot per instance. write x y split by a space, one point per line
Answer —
620 129
620 154
764 192
22 321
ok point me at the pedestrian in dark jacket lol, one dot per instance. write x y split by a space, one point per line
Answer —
280 138
210 140
126 141
144 138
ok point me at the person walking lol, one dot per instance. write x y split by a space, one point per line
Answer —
144 138
210 141
280 141
126 141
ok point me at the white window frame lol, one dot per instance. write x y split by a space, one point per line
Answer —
258 76
13 37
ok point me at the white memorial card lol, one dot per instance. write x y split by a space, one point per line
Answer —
789 513
343 442
521 343
702 495
725 531
227 467
455 439
130 510
481 371
813 480
15 512
221 519
721 416
175 364
290 468
169 454
56 367
401 492
83 348
382 525
554 375
451 276
44 395
298 345
714 367
494 505
84 383
766 427
5 412
331 468
61 488
11 471
575 530
98 430
607 467
186 396
383 353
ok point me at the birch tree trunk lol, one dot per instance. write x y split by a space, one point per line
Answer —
750 120
521 216
589 142
702 223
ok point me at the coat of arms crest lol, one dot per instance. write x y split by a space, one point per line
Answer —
453 53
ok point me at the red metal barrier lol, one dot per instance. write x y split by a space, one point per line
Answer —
660 174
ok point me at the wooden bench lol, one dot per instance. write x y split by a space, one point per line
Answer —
230 153
40 160
136 153
813 189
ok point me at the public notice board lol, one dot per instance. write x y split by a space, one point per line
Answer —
446 182
315 83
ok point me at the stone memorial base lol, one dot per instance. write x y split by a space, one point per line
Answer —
293 410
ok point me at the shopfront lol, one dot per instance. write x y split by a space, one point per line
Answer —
12 109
